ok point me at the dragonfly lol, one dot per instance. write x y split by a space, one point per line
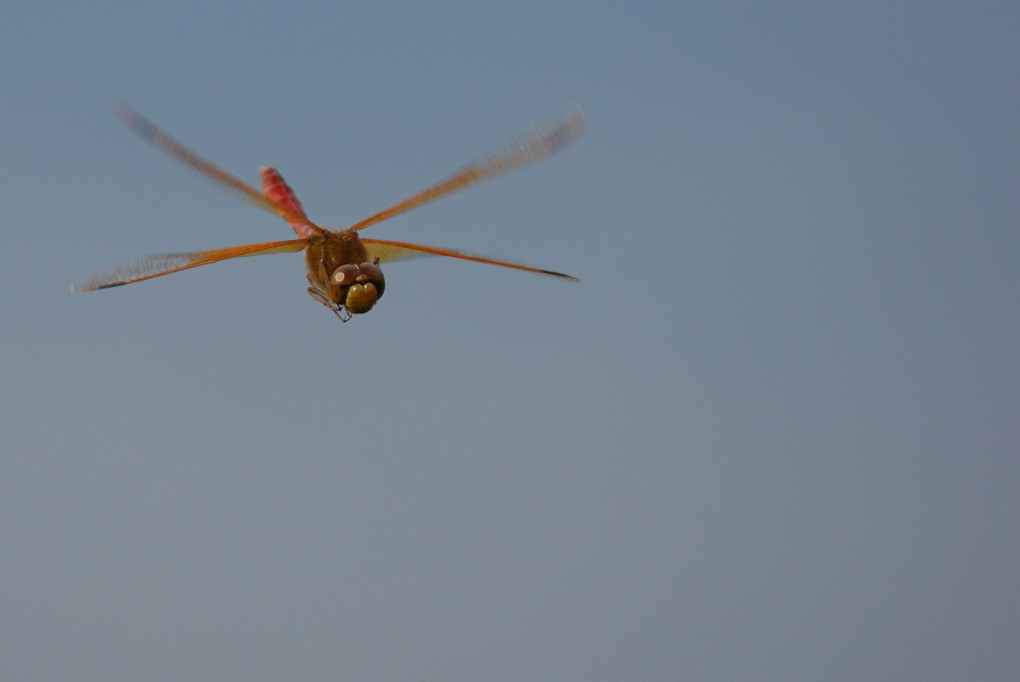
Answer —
343 269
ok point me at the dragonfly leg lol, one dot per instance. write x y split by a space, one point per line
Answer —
338 310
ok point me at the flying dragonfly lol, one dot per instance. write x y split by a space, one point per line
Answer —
343 268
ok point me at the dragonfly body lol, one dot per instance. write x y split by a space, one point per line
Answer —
342 272
342 275
343 269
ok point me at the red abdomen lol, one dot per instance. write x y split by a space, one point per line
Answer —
280 192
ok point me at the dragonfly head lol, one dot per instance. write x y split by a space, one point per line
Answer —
358 287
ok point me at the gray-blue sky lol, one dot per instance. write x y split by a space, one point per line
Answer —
771 435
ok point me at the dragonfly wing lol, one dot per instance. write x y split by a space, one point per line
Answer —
538 142
148 131
387 250
164 264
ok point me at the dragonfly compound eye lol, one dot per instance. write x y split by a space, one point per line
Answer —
375 275
361 297
346 274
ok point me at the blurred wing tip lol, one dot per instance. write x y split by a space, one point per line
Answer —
575 118
85 287
553 273
572 123
125 112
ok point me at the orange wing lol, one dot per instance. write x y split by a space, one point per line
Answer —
537 143
386 250
164 264
150 133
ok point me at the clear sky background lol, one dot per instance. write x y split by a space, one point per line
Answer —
772 434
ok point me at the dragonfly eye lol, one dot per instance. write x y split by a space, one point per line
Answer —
375 275
361 297
346 274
